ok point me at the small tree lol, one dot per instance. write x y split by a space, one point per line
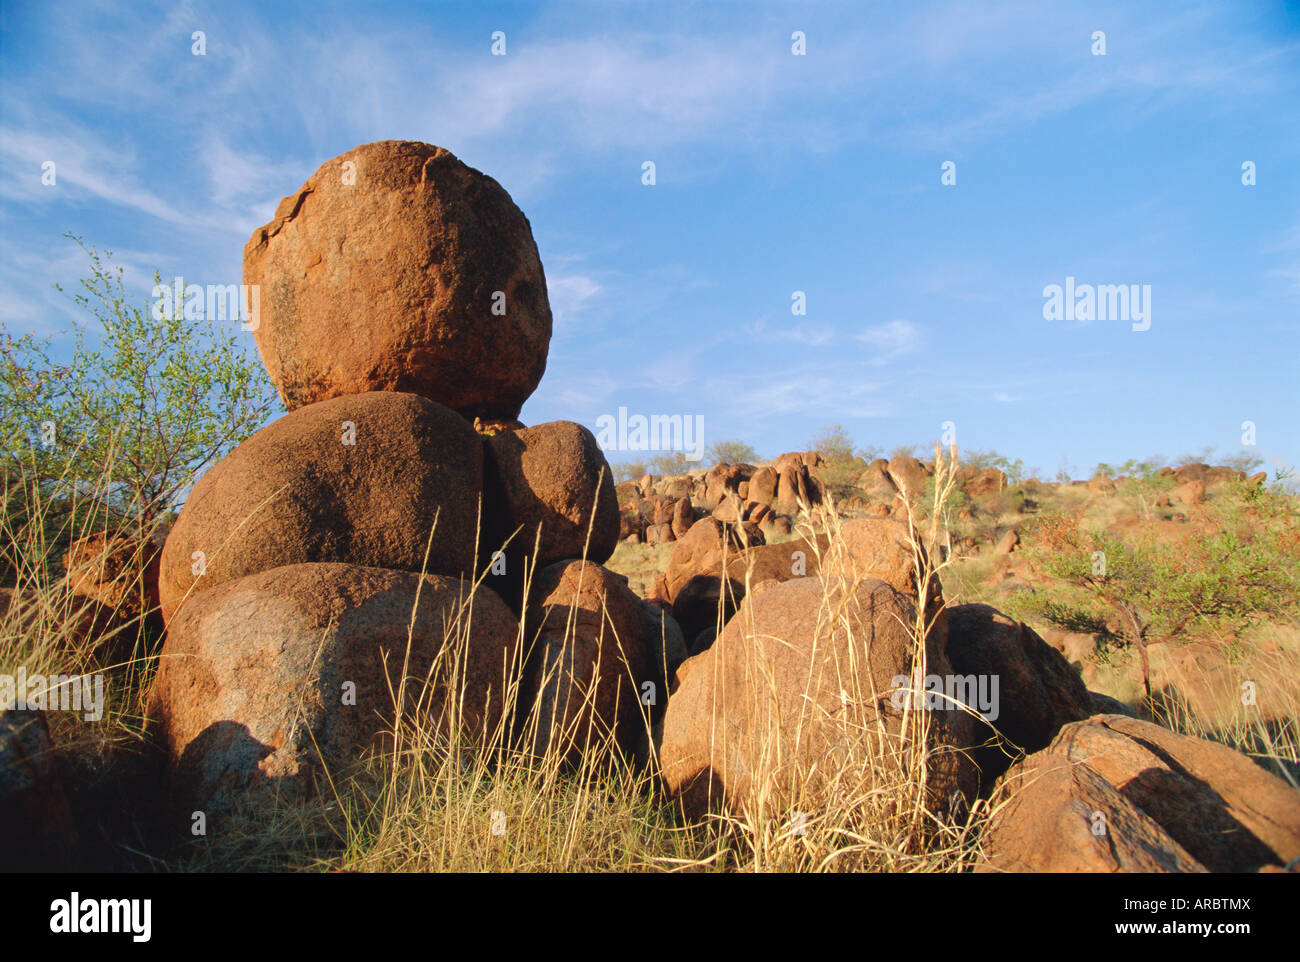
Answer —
833 443
1141 470
1065 473
152 406
1244 462
629 470
672 462
730 452
1158 591
976 461
1206 456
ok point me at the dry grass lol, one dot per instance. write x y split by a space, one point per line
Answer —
48 630
870 804
436 800
640 563
430 797
1200 696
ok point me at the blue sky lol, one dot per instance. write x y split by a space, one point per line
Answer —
775 173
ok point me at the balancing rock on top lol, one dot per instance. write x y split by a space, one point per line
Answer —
396 267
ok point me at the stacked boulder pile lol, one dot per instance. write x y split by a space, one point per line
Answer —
381 532
660 510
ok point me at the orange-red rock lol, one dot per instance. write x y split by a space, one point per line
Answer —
797 700
381 273
593 647
551 477
268 681
1167 802
297 492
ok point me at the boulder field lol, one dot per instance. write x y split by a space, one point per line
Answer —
399 548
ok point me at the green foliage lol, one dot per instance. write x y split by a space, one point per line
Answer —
841 478
1143 488
730 452
1009 501
1245 463
982 460
1206 456
957 502
1014 470
1149 590
150 407
1285 481
629 470
669 463
1074 618
1132 469
673 462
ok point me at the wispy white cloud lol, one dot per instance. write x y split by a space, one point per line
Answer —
243 179
1290 274
559 96
83 165
1288 246
891 340
570 295
793 332
580 395
820 394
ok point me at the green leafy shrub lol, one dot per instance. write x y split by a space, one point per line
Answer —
124 426
1144 590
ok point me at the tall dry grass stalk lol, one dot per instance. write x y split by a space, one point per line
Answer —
859 798
48 629
1264 723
